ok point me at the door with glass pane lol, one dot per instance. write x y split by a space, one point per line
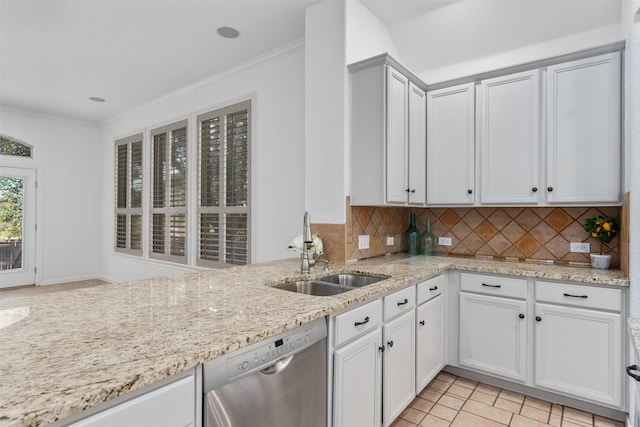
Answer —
17 226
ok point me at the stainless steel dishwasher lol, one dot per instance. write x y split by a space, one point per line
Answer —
280 382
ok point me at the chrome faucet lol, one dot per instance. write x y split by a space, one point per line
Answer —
307 239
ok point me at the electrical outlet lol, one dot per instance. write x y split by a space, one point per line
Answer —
580 247
444 241
363 241
391 241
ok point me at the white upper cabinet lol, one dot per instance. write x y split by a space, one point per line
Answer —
450 145
509 129
388 135
583 131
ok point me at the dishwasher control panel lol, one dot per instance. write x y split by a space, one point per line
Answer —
270 351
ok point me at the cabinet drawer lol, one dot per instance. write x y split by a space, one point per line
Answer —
579 295
399 302
358 321
494 285
430 288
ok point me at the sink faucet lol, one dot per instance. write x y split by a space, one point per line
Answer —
307 239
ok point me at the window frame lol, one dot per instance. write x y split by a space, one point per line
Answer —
222 210
128 211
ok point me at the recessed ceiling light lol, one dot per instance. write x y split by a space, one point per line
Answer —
97 99
228 32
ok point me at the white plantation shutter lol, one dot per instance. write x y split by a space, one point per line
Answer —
169 193
128 195
223 203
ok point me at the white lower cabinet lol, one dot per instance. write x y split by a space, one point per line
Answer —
579 349
170 405
357 382
398 382
430 355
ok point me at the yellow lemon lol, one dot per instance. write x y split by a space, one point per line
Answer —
594 234
606 226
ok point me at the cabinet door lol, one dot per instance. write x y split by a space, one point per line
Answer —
417 145
583 131
509 113
357 382
397 136
450 145
430 344
493 336
398 366
579 352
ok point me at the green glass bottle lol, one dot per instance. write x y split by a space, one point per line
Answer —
428 240
412 237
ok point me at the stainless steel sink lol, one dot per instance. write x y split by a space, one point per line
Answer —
348 279
330 285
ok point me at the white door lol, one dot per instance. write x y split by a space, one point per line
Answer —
397 138
429 341
450 145
583 131
417 145
357 382
579 352
493 335
509 113
398 366
17 226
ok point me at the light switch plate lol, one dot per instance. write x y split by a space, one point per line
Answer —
580 247
391 241
444 241
363 241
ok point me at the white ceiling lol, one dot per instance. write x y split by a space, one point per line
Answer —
55 54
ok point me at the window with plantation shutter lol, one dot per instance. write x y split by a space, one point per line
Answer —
223 203
128 195
168 232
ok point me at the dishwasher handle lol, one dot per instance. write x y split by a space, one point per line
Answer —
277 367
631 374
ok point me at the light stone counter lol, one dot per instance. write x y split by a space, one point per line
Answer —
634 331
64 352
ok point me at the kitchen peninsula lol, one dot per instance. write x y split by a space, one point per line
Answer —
66 352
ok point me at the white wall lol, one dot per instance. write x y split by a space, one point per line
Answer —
67 158
366 35
275 83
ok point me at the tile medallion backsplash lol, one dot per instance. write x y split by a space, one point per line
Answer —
535 233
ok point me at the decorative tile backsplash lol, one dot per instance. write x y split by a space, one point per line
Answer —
534 233
538 233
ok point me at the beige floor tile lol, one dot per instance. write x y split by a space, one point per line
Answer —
508 405
399 422
431 421
465 419
566 422
412 415
483 397
443 412
577 415
488 389
460 391
537 403
535 413
464 382
439 385
557 409
446 377
430 394
513 396
521 421
486 411
450 401
555 420
599 421
422 404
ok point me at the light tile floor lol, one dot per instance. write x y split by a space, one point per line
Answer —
25 291
455 401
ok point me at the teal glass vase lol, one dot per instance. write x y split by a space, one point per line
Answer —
412 237
428 240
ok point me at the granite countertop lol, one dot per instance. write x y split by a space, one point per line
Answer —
65 352
633 325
